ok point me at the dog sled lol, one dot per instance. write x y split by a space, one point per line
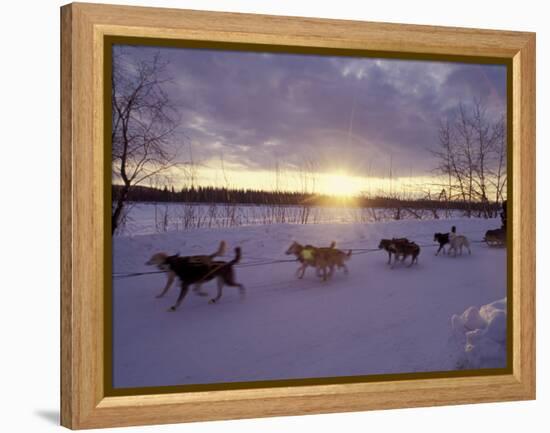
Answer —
495 238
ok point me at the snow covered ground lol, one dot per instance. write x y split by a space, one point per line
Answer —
374 320
482 332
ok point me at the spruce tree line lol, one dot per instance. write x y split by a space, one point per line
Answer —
210 194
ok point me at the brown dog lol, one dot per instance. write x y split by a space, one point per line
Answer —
388 246
323 259
338 258
405 249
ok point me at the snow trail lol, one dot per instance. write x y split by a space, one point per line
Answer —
372 321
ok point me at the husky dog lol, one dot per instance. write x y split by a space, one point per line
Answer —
442 239
190 271
159 260
385 244
405 249
457 242
323 259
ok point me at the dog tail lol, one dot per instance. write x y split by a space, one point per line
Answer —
237 256
220 251
349 253
332 244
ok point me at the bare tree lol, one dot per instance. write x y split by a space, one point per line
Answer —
144 122
308 180
498 177
487 135
472 157
450 164
466 148
230 206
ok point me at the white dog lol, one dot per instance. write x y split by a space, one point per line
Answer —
456 243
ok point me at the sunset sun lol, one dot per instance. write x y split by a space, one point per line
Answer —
342 185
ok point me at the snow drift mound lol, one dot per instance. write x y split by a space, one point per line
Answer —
482 334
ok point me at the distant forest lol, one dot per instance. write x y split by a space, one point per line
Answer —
256 197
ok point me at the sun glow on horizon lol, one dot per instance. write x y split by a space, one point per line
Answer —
338 184
341 185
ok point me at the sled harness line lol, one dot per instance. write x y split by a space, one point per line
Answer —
137 274
267 261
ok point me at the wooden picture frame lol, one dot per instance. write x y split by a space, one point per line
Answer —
84 261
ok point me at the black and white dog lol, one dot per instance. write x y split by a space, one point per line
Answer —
455 241
443 239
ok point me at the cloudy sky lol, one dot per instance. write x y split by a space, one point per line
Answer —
337 116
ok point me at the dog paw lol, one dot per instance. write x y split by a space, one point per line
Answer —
171 309
212 301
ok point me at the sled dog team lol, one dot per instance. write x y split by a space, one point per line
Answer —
196 270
